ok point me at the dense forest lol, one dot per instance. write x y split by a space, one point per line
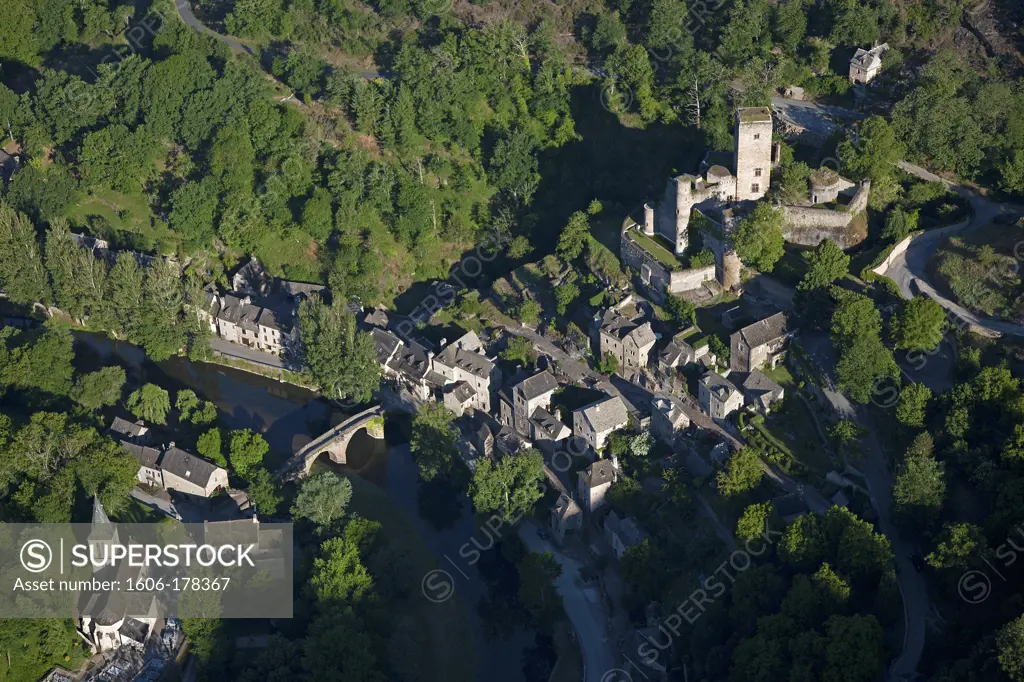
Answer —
368 146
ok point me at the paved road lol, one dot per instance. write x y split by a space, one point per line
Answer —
165 506
584 606
186 14
875 467
911 267
233 350
817 119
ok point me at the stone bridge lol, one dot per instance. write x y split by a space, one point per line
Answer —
333 442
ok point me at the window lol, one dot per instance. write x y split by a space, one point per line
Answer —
755 188
757 172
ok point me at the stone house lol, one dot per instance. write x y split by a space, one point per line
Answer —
594 483
622 533
133 432
593 424
679 353
186 473
483 440
464 362
866 64
668 419
761 392
718 396
510 442
520 400
548 431
566 517
407 366
759 344
149 473
626 340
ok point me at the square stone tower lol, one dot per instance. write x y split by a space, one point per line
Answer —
753 155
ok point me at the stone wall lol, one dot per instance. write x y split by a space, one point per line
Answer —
687 280
811 226
860 199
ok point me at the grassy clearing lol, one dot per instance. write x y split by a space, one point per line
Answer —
791 428
781 376
136 512
293 257
658 248
124 219
452 655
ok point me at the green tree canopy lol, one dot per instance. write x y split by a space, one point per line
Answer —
342 360
246 451
99 389
433 440
510 486
827 264
150 403
758 239
323 500
918 325
742 473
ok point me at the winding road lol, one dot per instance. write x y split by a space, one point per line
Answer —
189 17
910 268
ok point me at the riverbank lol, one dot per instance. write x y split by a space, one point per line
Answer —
290 416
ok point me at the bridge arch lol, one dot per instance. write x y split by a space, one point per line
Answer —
334 443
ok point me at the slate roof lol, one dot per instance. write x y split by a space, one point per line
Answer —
463 392
386 344
565 508
758 386
412 360
127 428
250 277
626 528
378 318
549 425
148 457
718 385
764 331
188 466
676 352
301 289
606 414
465 355
237 311
619 326
134 630
870 59
598 473
268 319
537 385
670 407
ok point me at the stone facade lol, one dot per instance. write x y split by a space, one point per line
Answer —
718 396
753 153
866 64
629 342
759 344
655 274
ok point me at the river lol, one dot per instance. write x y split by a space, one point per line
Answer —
289 416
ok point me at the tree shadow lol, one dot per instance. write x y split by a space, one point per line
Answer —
612 162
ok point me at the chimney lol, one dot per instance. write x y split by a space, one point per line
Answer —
558 413
648 219
444 342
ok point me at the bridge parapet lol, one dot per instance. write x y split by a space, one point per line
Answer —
334 441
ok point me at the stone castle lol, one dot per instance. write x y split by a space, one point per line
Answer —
712 203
